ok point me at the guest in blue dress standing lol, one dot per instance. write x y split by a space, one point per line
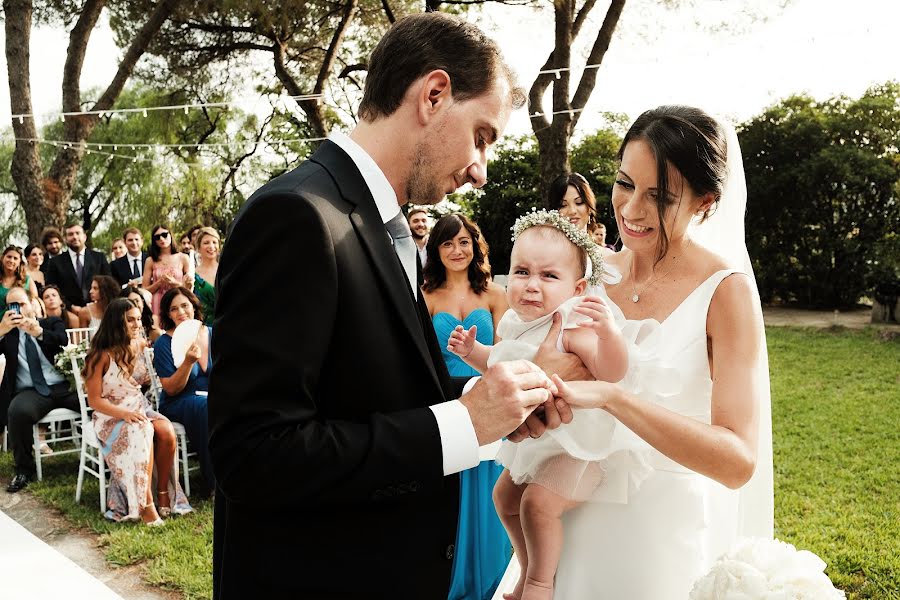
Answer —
458 291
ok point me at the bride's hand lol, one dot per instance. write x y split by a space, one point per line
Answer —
584 394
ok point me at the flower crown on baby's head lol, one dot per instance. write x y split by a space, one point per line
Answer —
552 218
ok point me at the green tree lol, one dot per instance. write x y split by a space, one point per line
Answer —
822 181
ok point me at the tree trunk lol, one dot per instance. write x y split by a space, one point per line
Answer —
46 200
77 129
26 165
553 133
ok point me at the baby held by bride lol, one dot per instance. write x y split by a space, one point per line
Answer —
545 477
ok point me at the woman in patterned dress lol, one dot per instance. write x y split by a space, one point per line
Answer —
138 443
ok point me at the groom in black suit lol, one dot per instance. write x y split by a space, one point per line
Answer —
336 434
73 270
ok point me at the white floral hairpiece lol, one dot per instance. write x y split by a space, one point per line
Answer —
552 218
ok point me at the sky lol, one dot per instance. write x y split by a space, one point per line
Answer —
821 47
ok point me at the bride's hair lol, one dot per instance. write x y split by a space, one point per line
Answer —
692 142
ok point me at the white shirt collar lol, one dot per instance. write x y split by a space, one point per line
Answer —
382 191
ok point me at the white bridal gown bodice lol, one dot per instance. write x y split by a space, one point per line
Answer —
678 522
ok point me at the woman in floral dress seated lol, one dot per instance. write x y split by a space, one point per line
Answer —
138 443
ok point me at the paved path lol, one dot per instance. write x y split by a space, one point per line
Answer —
78 546
853 319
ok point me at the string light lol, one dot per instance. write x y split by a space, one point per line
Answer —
108 112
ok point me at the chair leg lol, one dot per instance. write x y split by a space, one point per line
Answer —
184 465
37 451
81 469
101 469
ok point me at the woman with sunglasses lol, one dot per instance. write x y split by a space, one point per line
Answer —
166 268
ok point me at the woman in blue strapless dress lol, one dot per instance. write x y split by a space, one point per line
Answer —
459 291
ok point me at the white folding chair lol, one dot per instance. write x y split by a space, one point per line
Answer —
80 334
153 395
56 435
91 461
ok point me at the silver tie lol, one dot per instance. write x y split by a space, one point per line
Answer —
404 246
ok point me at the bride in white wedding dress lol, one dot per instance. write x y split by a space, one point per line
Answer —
697 391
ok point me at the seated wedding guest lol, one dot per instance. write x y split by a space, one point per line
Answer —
12 274
571 195
34 260
183 398
117 250
52 242
418 225
207 248
104 289
138 442
166 268
56 306
458 291
31 385
148 323
129 269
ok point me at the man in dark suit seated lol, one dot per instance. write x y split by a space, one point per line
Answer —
31 385
73 270
130 268
336 433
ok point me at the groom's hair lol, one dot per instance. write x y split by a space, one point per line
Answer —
420 43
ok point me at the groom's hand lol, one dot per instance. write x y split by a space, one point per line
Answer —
504 396
565 364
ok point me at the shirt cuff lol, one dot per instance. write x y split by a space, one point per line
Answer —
459 443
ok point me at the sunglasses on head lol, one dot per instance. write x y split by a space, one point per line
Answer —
160 235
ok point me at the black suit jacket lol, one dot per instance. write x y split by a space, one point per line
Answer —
327 457
121 268
62 273
52 341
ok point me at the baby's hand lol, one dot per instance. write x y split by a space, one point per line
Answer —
601 316
461 341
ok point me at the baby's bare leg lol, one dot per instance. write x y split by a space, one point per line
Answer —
541 518
507 501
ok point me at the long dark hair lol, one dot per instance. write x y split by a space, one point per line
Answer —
559 187
435 274
112 337
693 143
108 289
154 249
146 313
166 303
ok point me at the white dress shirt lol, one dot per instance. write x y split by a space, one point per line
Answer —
458 440
73 255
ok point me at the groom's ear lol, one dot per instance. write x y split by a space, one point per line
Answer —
435 94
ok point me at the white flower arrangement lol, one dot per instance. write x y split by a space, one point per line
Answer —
552 218
762 569
63 361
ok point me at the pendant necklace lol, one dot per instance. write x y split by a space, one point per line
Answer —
635 296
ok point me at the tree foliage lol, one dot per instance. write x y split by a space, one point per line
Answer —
823 203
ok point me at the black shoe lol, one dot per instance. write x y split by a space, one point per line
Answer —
19 482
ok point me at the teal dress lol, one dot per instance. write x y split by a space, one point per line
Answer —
482 546
206 294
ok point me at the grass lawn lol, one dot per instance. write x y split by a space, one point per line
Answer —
836 411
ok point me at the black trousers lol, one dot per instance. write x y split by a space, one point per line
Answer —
27 408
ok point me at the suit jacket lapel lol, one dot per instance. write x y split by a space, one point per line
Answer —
368 225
